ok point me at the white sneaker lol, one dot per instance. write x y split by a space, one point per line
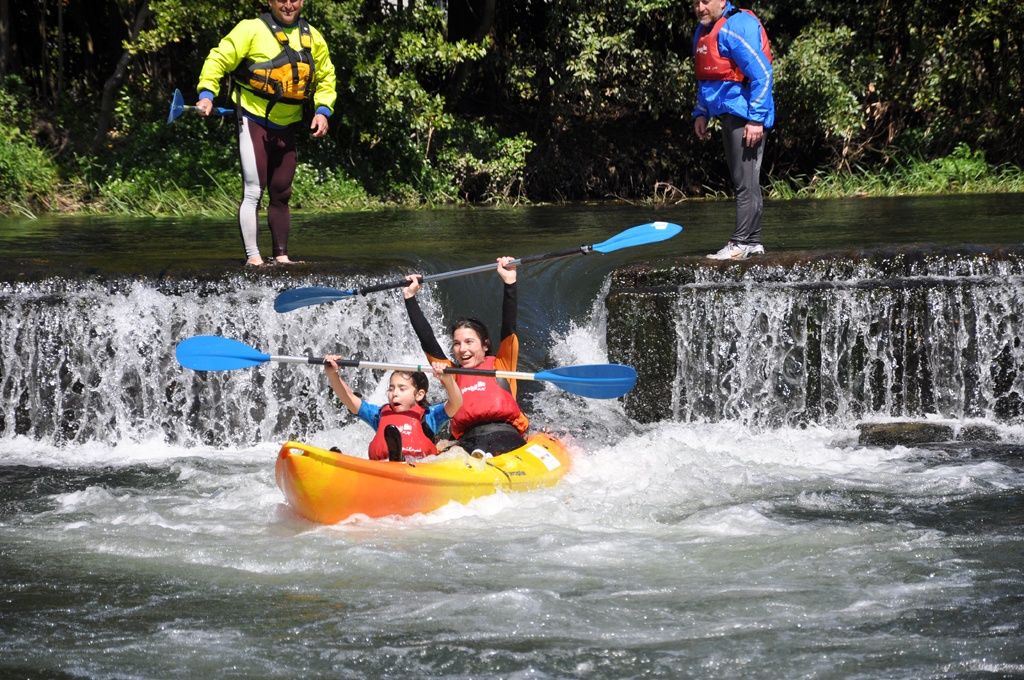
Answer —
733 251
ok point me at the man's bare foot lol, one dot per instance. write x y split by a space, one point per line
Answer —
257 262
283 259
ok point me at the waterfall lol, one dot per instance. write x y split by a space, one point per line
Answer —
87 360
827 339
824 338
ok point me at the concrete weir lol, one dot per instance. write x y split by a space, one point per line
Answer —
826 337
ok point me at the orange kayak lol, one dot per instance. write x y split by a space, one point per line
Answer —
327 487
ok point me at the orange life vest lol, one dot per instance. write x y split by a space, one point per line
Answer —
484 401
415 442
710 64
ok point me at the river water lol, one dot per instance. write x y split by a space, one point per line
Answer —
142 534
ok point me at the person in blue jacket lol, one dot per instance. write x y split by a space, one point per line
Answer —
734 72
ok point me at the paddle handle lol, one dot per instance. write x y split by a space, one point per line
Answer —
582 250
425 368
215 111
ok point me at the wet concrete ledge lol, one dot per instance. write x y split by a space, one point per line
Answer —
940 443
30 270
643 303
906 264
915 433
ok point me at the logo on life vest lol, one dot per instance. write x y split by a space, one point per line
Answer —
703 49
405 428
478 387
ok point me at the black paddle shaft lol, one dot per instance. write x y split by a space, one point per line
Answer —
582 250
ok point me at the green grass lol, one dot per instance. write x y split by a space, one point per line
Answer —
220 196
962 172
149 190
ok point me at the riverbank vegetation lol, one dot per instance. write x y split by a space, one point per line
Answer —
506 102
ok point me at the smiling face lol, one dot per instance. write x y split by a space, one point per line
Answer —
286 11
402 393
708 11
468 348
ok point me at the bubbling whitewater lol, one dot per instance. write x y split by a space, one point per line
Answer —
98 362
143 536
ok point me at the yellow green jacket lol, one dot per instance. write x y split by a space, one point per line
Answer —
252 39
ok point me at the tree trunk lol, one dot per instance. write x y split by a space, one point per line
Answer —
113 84
5 38
468 20
78 20
44 56
60 50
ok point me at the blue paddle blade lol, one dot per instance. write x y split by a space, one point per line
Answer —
211 353
307 297
177 106
595 381
638 236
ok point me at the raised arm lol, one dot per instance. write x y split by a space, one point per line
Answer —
509 299
420 325
454 403
507 354
340 387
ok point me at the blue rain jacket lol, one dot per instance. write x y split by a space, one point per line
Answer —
740 40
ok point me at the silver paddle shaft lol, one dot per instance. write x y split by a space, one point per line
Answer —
424 368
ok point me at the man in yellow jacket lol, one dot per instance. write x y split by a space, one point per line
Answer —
278 62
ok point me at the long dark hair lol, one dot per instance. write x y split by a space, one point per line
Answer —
419 382
476 325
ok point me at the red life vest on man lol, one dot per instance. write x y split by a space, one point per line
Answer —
710 64
484 401
415 442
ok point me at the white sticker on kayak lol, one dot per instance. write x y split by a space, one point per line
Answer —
545 456
660 225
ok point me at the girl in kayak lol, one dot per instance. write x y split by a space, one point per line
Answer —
406 424
490 419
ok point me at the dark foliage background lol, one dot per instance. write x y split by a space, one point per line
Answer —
494 100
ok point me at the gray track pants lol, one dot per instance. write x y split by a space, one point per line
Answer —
745 168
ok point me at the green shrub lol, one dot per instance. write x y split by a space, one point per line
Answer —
325 189
821 82
480 165
14 110
390 121
27 173
190 166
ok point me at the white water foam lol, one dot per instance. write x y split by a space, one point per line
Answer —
689 549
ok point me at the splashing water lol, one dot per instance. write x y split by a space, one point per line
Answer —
142 534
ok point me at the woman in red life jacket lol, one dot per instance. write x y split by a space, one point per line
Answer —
490 419
406 424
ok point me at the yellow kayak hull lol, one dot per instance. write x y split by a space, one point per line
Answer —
327 487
